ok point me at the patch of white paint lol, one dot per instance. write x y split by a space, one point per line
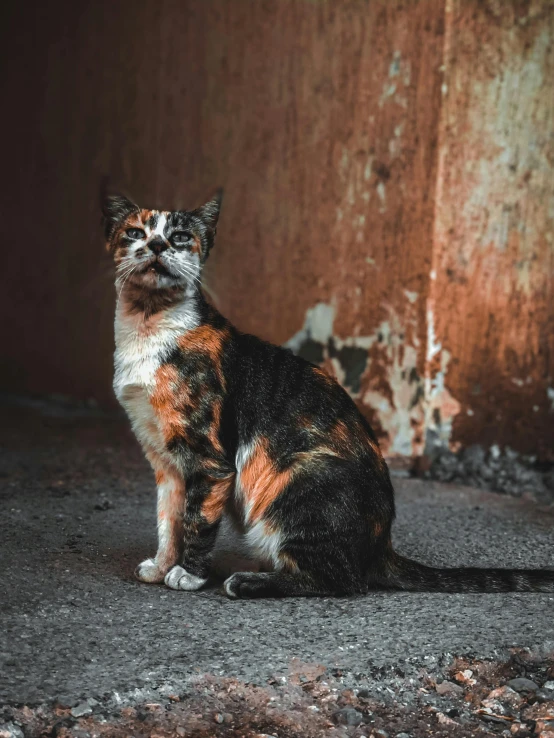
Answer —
395 142
433 346
394 357
440 406
382 193
388 91
401 72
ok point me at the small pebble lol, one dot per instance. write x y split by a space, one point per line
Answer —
522 684
448 688
9 730
83 708
347 716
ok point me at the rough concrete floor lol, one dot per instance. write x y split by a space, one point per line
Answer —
77 516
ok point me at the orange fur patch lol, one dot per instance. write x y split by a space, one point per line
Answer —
378 528
288 563
173 402
213 505
207 340
173 506
213 433
169 398
144 215
328 379
342 435
197 248
261 482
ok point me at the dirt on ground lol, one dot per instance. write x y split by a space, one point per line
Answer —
470 698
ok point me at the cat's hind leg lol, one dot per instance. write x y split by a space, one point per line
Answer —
271 584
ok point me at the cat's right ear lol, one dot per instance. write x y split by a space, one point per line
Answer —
115 209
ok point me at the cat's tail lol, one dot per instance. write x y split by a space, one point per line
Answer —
405 574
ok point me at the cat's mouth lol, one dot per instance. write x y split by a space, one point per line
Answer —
156 267
159 268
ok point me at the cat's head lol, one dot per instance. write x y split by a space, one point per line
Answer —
158 249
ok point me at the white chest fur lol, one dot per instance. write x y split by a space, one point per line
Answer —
142 346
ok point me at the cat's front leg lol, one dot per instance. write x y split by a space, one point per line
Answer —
171 504
206 500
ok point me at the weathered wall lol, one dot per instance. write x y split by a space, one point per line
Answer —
320 119
346 229
492 298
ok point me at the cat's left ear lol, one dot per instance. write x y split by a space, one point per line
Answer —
209 213
115 209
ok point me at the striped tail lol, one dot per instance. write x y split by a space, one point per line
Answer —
405 574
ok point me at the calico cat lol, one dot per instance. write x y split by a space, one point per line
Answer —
241 430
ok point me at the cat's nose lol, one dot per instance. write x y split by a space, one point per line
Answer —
157 245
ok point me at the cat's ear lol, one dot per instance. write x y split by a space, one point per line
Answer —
209 213
115 209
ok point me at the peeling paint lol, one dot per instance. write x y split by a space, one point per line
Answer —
379 370
433 346
401 72
441 408
414 413
382 193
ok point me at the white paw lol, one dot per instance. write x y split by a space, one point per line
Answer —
179 578
148 572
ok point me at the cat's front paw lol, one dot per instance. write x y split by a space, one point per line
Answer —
148 571
179 578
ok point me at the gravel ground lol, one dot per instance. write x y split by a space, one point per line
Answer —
78 515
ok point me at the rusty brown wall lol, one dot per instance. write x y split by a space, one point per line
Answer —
322 121
492 299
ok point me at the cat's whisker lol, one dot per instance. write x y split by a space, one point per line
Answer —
128 274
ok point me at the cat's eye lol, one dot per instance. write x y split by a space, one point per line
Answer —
181 238
135 233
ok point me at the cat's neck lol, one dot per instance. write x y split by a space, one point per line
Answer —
145 311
